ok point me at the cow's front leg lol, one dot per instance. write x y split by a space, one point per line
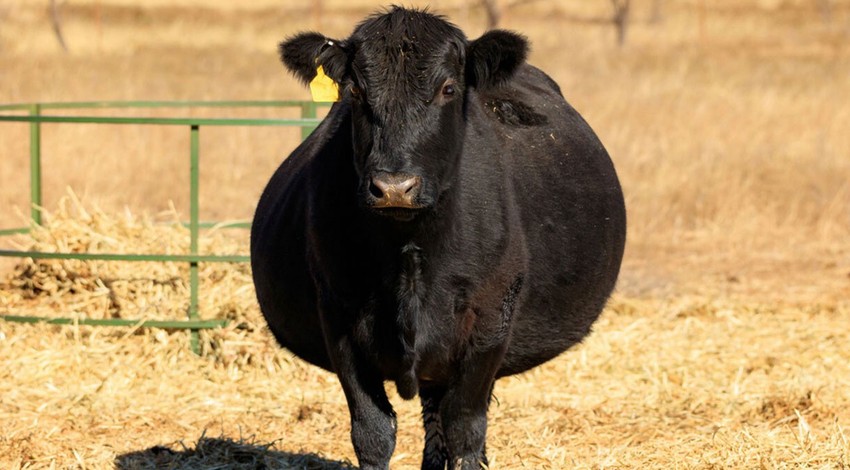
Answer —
373 421
463 410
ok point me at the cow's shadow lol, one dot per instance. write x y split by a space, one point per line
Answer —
226 454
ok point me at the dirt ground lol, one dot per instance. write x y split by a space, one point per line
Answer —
724 346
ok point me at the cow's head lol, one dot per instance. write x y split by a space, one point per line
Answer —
407 75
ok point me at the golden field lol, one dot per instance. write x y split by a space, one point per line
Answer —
725 345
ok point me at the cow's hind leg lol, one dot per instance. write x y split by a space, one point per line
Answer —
435 455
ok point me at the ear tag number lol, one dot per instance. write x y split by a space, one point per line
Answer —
323 88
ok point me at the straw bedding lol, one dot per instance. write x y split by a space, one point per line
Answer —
717 375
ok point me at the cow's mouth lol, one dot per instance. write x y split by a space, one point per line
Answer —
397 213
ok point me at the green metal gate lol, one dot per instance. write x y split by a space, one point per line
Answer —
34 115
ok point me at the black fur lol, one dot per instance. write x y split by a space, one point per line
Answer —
494 57
504 258
434 455
305 52
514 113
299 54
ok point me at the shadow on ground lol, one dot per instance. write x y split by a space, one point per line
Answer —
225 454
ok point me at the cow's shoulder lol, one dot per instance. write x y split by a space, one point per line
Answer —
316 158
523 101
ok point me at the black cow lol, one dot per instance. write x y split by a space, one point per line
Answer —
451 221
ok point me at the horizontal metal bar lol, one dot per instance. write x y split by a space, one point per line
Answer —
234 224
16 107
128 257
13 231
167 324
157 104
165 121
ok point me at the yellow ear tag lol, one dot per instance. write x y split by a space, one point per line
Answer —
323 88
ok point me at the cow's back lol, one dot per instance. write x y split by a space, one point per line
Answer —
572 213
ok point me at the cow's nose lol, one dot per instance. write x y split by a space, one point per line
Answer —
395 190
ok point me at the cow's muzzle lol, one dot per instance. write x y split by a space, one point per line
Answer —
395 194
395 191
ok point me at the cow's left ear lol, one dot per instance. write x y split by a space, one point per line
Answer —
493 58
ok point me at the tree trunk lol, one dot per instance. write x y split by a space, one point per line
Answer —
621 19
56 22
493 13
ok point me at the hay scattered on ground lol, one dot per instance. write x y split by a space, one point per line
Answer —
694 378
135 290
105 289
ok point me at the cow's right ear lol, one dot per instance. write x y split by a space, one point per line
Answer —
304 53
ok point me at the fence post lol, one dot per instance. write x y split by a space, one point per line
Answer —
35 165
194 180
308 110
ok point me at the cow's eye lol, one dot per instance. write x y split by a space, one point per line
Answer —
447 93
355 92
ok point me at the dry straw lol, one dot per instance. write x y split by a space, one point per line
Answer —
696 380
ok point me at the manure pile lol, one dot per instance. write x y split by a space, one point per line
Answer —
695 379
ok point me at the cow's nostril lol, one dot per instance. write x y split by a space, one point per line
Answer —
395 190
408 185
375 189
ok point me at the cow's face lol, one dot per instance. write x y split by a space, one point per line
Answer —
407 75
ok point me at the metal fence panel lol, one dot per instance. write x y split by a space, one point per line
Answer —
35 116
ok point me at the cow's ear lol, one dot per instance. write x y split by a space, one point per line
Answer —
493 58
304 53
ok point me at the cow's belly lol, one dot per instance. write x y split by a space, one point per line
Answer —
575 252
284 289
291 316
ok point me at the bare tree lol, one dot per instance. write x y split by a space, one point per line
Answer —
621 19
56 22
493 13
494 10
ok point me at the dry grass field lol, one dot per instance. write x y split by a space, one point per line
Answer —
726 344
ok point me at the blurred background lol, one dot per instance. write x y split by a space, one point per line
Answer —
727 119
